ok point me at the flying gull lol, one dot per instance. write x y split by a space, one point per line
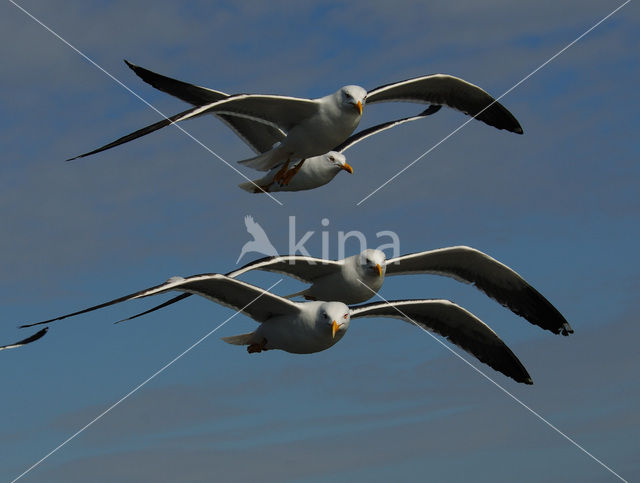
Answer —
308 327
320 170
357 278
315 126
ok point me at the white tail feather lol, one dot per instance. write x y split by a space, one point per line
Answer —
242 339
265 161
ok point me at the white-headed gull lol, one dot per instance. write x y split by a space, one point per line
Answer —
316 126
357 278
307 327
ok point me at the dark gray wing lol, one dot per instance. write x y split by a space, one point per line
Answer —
495 279
457 325
190 93
219 288
451 92
260 137
305 269
137 134
171 301
279 112
28 340
365 133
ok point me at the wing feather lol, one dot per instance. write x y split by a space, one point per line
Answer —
457 325
452 92
219 288
495 279
28 340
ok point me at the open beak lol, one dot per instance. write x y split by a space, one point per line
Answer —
334 329
379 270
348 168
359 107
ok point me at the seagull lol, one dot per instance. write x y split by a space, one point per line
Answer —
315 126
28 340
260 242
309 327
357 278
320 170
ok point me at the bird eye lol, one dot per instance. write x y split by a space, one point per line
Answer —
346 315
331 158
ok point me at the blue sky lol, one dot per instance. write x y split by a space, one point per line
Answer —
559 204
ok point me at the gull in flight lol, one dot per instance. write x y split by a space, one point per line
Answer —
320 170
308 327
357 278
314 127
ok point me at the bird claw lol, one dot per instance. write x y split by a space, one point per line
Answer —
254 348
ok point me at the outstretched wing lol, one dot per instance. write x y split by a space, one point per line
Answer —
26 341
451 92
456 324
279 112
260 137
136 134
495 279
365 133
305 269
243 297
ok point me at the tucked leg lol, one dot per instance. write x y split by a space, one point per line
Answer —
257 347
279 175
288 176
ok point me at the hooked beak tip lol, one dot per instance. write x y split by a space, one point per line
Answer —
348 168
359 107
334 329
379 270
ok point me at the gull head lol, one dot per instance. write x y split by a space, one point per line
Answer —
333 319
353 97
337 161
372 263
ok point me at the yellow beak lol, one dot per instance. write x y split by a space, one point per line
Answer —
334 329
379 270
348 168
359 107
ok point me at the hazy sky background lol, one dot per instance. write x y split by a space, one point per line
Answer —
559 204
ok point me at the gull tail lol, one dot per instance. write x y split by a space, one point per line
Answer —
242 339
265 161
254 186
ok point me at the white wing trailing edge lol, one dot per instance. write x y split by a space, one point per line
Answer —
450 91
495 279
216 287
457 325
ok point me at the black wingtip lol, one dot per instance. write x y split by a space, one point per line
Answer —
518 130
529 381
